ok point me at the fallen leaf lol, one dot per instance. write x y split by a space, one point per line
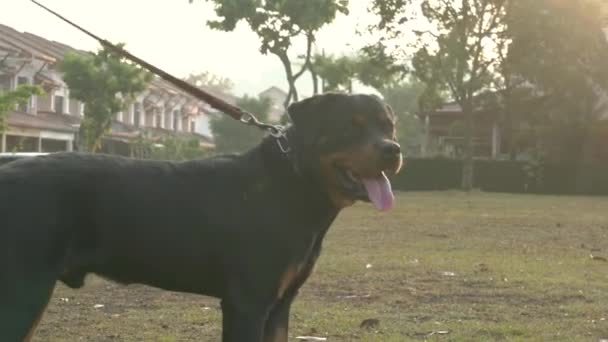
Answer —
98 306
438 332
355 296
370 323
311 338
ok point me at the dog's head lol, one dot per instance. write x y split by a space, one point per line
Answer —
347 142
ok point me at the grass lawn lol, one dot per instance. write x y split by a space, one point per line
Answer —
440 267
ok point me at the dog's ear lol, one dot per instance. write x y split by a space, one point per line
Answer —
305 117
303 111
312 110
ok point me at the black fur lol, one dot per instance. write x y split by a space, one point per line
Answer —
227 227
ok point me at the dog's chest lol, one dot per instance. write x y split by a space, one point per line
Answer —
297 271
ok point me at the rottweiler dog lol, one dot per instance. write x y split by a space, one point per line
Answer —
245 228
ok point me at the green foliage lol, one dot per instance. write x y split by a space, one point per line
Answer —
403 98
179 149
454 53
214 82
169 148
378 68
337 73
10 99
105 83
372 66
540 65
560 48
232 136
278 23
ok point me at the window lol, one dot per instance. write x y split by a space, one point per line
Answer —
136 114
175 119
59 104
192 126
74 107
168 120
5 83
157 121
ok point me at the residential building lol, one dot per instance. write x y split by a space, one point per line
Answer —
444 132
50 122
277 101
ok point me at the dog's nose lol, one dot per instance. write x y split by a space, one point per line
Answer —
390 150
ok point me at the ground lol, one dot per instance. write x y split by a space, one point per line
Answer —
440 267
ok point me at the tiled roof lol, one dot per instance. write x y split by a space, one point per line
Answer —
31 45
44 120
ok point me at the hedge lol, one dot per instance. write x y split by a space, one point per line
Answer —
504 176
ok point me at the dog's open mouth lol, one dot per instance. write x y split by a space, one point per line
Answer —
375 189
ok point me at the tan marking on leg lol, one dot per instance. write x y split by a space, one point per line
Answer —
288 278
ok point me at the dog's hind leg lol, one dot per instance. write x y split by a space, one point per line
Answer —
23 300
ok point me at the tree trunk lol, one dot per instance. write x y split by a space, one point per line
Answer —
508 119
292 93
509 135
81 144
315 81
467 165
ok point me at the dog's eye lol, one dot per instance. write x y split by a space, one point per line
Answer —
354 130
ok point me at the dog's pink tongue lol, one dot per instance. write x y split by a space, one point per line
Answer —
379 192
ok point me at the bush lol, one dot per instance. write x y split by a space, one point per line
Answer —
505 176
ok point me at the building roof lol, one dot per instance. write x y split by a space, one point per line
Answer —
273 90
31 45
44 120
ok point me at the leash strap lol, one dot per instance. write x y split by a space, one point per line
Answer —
233 111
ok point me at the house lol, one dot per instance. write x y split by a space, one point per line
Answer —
42 124
50 122
277 100
444 127
203 122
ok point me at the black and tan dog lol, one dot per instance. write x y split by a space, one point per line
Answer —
245 228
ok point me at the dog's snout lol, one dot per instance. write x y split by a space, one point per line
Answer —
391 150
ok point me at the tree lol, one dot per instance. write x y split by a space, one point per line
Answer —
336 73
404 97
233 136
559 48
371 66
168 148
278 23
105 83
452 52
214 82
11 99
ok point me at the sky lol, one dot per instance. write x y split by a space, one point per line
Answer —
172 35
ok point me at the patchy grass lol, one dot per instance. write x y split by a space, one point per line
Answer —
441 267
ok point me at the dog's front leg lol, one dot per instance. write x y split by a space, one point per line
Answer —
277 324
243 323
